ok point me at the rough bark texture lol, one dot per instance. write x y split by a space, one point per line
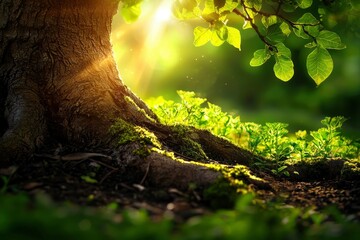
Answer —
58 68
59 81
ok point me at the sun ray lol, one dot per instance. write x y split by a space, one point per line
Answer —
147 44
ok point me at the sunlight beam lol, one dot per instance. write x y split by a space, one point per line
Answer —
150 49
163 13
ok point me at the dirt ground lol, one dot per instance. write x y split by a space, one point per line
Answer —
91 181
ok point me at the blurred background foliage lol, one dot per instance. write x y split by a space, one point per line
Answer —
155 56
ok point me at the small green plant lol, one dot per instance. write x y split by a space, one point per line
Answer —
281 171
300 145
192 111
328 141
255 136
276 143
271 140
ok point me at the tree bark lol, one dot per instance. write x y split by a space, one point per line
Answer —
59 81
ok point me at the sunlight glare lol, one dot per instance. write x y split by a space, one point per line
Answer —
145 46
163 13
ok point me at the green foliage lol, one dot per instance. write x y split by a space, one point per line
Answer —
271 140
131 10
193 112
328 141
319 64
41 218
273 21
270 21
284 67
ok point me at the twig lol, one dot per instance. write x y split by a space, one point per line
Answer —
73 156
108 174
146 173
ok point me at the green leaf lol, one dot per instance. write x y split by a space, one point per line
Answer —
282 168
330 40
222 32
304 3
311 45
283 68
218 36
188 4
131 13
247 25
89 179
309 25
319 64
229 6
256 4
209 7
268 21
201 36
234 37
260 57
285 28
308 18
275 34
185 9
282 50
211 17
299 31
289 6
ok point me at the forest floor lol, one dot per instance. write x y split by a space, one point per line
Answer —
80 182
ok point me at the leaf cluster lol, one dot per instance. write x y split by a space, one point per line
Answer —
273 23
130 10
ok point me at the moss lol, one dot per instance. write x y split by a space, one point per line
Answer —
127 133
186 146
167 154
351 170
236 175
124 132
235 181
221 194
131 101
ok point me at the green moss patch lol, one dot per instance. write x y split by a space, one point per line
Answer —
187 147
127 133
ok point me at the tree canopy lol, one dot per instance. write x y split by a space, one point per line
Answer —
274 22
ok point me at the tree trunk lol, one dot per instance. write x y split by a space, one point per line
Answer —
59 81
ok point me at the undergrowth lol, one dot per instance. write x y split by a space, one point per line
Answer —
22 218
271 140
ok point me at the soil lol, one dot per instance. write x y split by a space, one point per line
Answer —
89 179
